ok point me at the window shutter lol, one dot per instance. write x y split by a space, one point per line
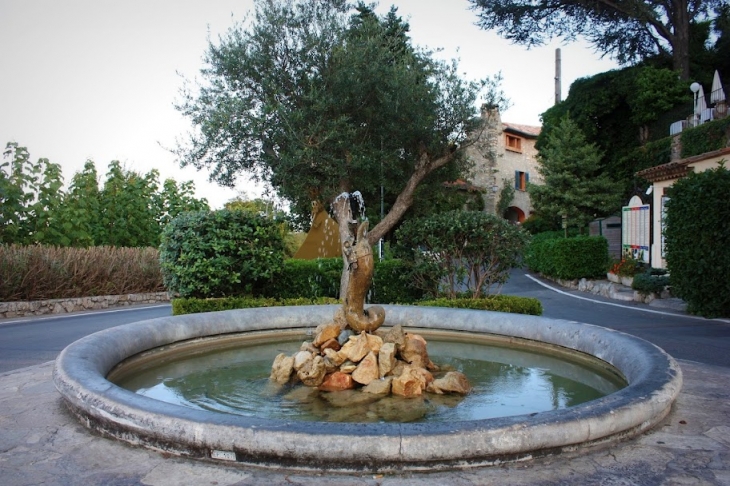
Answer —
527 179
517 179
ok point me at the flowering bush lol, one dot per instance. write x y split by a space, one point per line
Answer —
627 267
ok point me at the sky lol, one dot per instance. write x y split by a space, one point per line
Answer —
98 79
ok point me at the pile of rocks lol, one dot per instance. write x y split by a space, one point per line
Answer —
381 362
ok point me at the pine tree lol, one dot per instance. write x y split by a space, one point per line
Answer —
575 183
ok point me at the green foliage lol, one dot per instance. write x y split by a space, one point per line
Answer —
392 283
38 272
267 209
29 194
569 258
129 211
82 208
697 230
220 253
315 100
654 153
506 195
467 248
536 224
307 278
194 305
629 31
650 282
707 137
605 108
574 181
497 303
311 279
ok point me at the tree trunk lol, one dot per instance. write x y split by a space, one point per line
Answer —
680 41
405 199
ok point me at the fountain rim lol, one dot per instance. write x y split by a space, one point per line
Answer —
654 381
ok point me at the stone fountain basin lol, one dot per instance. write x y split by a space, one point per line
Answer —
654 381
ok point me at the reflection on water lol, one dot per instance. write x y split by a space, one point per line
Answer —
507 381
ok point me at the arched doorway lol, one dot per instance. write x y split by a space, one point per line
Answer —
514 214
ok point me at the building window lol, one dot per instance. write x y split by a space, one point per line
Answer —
513 143
521 180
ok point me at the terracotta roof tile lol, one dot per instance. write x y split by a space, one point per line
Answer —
528 130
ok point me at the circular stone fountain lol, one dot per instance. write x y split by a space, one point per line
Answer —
654 380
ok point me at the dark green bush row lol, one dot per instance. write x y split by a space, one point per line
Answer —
497 303
569 258
392 284
312 279
193 305
306 278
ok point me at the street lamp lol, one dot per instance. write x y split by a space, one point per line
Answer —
695 88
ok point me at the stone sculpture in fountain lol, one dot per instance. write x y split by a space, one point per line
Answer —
353 351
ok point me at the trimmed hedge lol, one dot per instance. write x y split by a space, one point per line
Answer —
311 279
392 283
707 137
497 303
308 279
193 306
569 258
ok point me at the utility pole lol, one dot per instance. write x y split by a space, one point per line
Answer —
558 75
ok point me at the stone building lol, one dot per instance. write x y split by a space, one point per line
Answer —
505 154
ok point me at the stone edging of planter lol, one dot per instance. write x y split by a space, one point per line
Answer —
611 290
63 306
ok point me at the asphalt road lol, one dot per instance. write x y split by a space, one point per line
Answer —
29 341
681 335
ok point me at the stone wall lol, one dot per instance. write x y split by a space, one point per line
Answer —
63 306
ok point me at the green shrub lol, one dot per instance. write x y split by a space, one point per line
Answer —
220 253
569 258
306 278
470 249
650 282
696 236
536 224
193 305
392 283
497 303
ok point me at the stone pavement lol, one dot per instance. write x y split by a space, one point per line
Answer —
41 443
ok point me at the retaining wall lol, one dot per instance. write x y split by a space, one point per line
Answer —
63 306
